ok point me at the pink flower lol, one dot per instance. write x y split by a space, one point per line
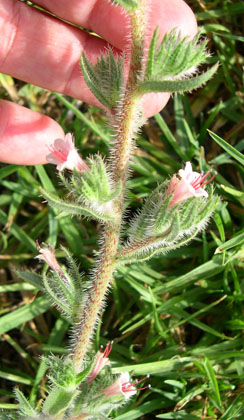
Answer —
65 156
101 361
123 387
47 255
187 184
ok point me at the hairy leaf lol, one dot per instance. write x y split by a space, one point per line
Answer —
74 208
177 85
174 56
105 78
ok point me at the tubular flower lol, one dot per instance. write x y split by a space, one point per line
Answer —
101 361
47 254
65 156
187 184
123 387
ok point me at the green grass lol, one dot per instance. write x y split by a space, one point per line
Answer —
178 317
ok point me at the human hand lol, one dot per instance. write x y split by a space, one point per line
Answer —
42 50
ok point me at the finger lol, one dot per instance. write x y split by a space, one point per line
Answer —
111 23
44 51
25 135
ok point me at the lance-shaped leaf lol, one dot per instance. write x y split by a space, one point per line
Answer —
185 85
58 401
57 295
32 278
24 406
73 208
142 252
172 63
105 78
174 56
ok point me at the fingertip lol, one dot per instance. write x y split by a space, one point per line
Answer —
152 103
173 14
25 135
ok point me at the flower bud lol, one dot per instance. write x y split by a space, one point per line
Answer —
47 254
101 361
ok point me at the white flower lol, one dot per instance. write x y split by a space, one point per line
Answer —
121 387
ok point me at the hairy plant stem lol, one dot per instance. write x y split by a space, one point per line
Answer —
125 129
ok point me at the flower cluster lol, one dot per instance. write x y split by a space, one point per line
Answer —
122 387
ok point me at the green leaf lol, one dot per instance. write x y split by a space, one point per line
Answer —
24 314
58 401
177 85
175 56
24 404
228 148
127 4
74 208
151 55
142 409
54 293
179 415
236 407
164 367
32 278
19 233
105 78
213 382
91 80
82 375
81 116
170 137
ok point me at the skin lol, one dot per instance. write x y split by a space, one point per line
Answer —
44 51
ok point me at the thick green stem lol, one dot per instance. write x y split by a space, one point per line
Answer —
125 130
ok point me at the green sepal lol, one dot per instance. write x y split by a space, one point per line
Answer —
75 275
190 211
167 228
24 406
82 375
127 4
209 207
159 224
184 85
175 228
52 291
73 208
141 221
95 189
61 372
58 401
32 278
105 78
